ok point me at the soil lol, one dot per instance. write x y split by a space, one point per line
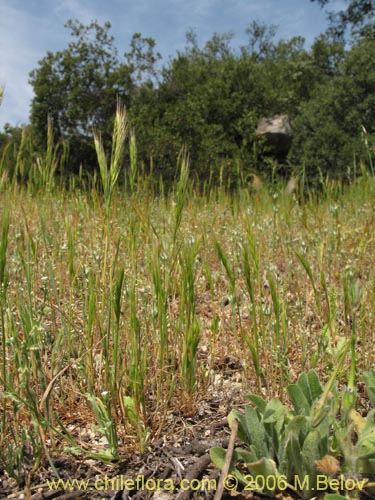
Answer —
182 452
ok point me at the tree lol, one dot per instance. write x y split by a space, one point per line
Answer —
187 107
329 126
142 59
359 17
327 55
210 98
78 88
260 40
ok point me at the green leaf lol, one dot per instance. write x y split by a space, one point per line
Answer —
294 433
131 412
309 454
274 421
334 496
310 448
297 426
250 429
265 467
255 429
303 384
369 378
299 400
242 426
366 444
316 389
218 455
247 456
259 402
274 413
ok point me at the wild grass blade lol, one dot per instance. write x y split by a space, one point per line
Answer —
181 192
3 252
133 161
110 173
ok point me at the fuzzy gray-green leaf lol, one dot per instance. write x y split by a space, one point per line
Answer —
299 400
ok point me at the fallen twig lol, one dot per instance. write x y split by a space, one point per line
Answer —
194 473
228 458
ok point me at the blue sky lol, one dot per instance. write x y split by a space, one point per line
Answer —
29 28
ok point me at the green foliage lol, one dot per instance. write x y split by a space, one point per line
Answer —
114 303
209 99
328 127
358 17
142 59
281 444
78 88
106 426
290 446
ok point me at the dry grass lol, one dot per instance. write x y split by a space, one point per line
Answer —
117 320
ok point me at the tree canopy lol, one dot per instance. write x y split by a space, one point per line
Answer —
78 87
358 17
209 98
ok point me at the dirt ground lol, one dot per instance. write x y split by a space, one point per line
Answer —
181 453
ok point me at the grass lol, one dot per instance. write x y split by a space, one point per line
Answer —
107 317
118 307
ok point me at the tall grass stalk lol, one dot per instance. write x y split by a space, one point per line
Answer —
43 176
311 277
114 307
136 372
189 324
102 410
4 175
20 170
279 335
110 173
181 194
3 253
160 281
370 149
133 161
117 305
89 318
3 288
252 340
